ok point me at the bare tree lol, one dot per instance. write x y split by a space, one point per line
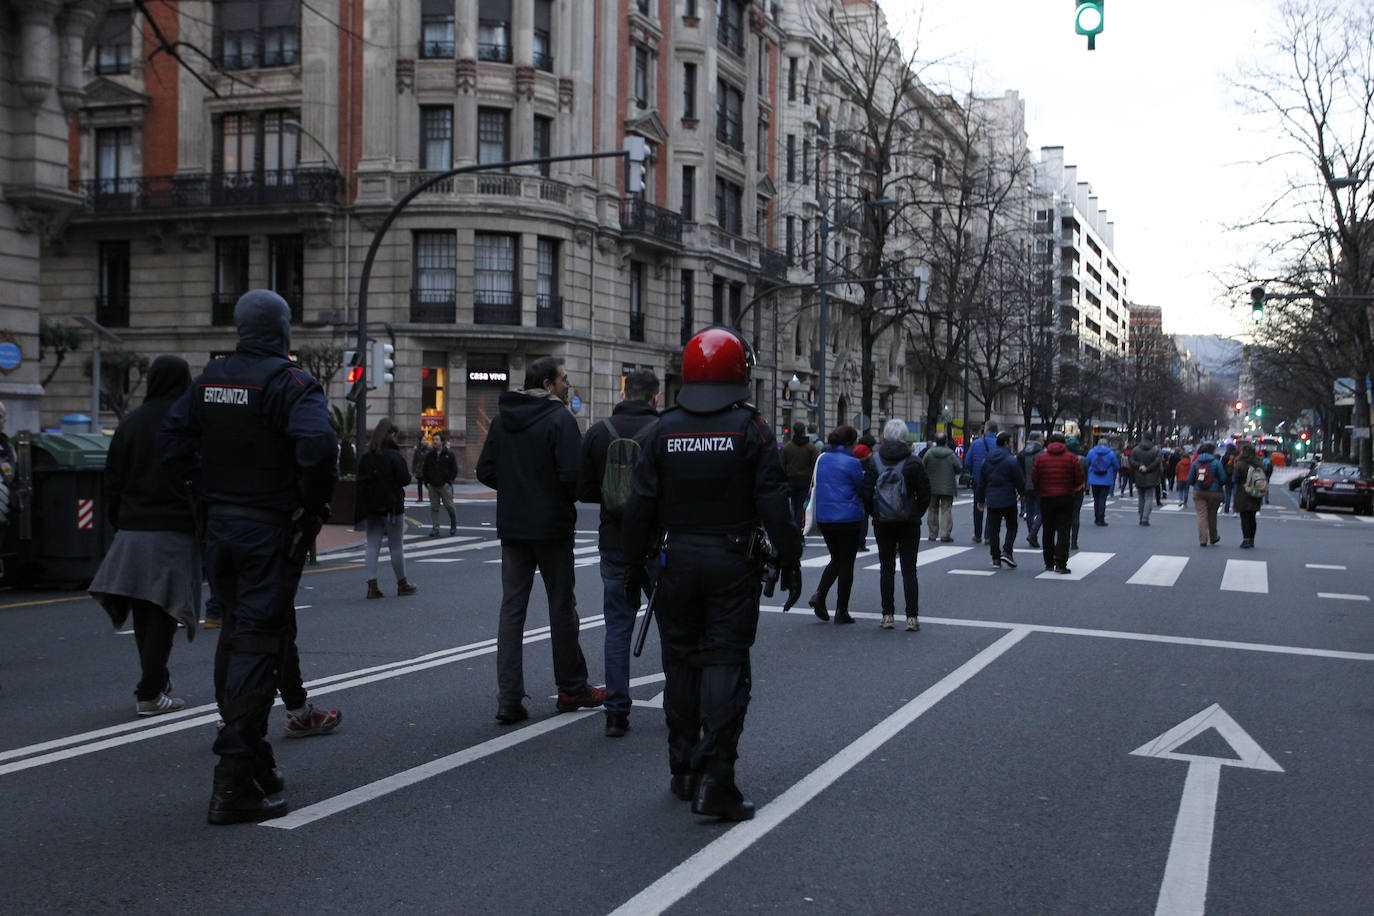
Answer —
59 337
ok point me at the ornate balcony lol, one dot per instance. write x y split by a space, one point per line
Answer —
200 189
640 216
493 307
773 263
433 306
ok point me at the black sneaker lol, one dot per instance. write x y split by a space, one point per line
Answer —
617 724
997 563
588 697
509 715
716 799
818 606
1062 570
1009 560
242 802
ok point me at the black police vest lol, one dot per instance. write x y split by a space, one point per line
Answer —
243 461
706 473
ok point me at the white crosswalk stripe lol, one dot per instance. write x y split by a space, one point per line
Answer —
1080 565
1246 576
1159 570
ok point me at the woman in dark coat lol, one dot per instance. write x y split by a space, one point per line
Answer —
897 537
152 569
382 479
1247 506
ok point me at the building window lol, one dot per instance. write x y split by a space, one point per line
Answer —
643 6
231 276
436 138
717 300
112 304
806 160
493 135
689 193
114 48
791 157
685 294
641 76
436 260
689 91
436 28
791 79
636 301
114 160
729 115
761 220
542 48
280 148
257 33
493 30
689 10
547 269
791 238
495 283
763 145
242 135
804 252
729 200
543 141
736 303
286 272
763 66
730 24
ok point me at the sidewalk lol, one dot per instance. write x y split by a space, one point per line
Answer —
334 537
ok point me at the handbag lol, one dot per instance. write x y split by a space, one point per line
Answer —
810 526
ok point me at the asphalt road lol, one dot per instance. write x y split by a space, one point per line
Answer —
1080 744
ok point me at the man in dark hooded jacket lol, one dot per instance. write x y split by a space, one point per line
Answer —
1035 444
1000 483
532 459
253 435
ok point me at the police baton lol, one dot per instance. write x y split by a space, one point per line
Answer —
648 616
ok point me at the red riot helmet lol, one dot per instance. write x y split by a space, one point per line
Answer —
716 366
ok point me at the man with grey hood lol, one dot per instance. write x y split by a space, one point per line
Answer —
252 434
1146 464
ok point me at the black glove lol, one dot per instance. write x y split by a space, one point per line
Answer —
791 579
637 582
301 535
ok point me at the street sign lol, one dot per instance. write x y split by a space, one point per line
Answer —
575 403
10 354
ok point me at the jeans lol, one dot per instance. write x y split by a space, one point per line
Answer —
842 540
1182 492
977 522
394 527
797 491
1057 511
1033 520
1074 514
154 630
1100 493
554 560
1228 491
940 516
996 516
896 541
620 610
1146 500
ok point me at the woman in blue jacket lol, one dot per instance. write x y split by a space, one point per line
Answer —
840 514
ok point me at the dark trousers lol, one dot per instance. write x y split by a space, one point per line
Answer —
1101 492
797 491
620 612
977 522
554 560
291 686
842 539
708 614
898 540
996 516
1033 521
1058 513
255 586
1074 516
154 630
1248 524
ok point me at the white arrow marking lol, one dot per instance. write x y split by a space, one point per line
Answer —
1190 854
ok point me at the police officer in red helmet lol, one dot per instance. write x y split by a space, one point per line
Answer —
709 478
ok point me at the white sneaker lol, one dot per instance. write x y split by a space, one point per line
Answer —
887 622
159 705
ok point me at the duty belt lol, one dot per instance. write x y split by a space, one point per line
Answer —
251 513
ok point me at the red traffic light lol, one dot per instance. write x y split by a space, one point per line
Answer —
354 374
1303 437
1240 405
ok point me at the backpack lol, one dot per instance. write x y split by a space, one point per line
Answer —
1256 484
891 502
1203 475
617 479
1101 463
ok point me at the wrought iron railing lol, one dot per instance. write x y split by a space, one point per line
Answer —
433 306
638 215
247 48
431 49
495 307
548 311
773 263
201 189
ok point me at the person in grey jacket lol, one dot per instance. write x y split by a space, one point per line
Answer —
943 467
1146 464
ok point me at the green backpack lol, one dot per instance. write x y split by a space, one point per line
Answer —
618 477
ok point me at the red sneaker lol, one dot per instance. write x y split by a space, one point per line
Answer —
588 697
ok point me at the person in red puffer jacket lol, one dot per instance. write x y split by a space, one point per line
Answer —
1057 475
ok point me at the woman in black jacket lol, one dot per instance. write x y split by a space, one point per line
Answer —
897 529
382 479
152 569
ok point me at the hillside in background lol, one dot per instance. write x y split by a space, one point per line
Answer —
1221 356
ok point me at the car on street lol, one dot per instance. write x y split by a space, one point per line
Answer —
1333 484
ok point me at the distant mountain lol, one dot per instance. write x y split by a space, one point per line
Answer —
1219 355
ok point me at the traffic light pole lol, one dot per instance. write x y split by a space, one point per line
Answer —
361 428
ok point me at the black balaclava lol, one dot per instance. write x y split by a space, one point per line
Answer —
168 377
263 320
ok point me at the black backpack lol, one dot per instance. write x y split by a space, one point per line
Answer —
891 501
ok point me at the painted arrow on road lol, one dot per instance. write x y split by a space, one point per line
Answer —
1184 890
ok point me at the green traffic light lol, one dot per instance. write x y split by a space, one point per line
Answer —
1088 20
1257 303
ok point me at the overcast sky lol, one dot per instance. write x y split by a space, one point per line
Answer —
1147 117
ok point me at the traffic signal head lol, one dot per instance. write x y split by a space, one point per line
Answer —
1088 20
1259 409
1240 405
353 377
1257 303
380 364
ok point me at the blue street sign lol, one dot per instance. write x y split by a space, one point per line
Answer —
10 355
576 403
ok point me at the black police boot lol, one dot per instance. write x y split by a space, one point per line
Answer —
684 785
272 781
238 799
718 798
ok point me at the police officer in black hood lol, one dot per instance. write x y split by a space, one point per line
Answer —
252 434
708 478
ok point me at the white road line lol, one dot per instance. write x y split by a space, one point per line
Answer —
397 781
1159 570
688 876
1080 565
431 548
973 572
1342 597
929 555
1323 566
1246 576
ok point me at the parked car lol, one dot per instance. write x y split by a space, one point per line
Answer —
1307 466
1334 484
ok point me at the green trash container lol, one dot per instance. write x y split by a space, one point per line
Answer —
66 532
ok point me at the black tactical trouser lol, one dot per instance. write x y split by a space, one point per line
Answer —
707 604
255 586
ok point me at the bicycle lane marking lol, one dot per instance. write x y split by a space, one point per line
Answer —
685 878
